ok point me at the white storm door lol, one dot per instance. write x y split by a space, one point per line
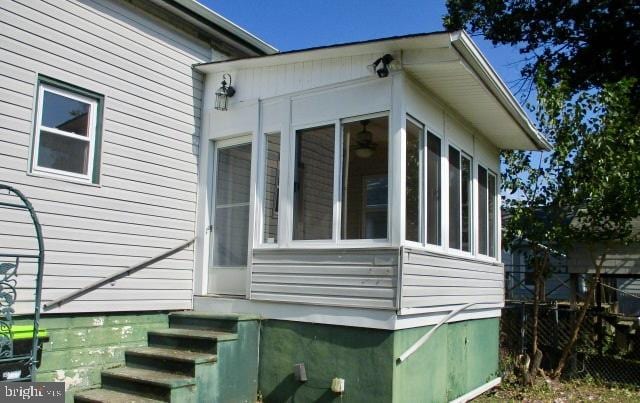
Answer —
230 240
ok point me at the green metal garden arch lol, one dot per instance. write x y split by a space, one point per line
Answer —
9 266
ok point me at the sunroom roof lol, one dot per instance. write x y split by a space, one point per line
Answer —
448 64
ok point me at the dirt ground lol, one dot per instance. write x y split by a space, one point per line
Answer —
561 392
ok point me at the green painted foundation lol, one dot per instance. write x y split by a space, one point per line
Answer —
82 345
361 356
457 359
234 378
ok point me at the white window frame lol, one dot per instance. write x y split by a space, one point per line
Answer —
335 240
365 208
444 171
291 191
241 139
463 154
338 171
422 201
90 138
424 243
487 256
262 186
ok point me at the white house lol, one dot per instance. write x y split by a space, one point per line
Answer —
347 196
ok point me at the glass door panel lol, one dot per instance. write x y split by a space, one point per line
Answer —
231 219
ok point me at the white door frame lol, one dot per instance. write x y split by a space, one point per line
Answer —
232 280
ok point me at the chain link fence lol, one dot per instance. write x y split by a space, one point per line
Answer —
608 347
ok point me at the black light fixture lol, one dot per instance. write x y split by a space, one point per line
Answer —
381 66
224 93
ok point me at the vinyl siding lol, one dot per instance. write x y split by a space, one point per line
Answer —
273 81
442 282
515 265
146 199
362 278
621 259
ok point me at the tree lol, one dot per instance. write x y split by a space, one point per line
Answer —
601 191
585 44
581 57
532 183
588 187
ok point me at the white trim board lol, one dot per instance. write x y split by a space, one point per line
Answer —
339 316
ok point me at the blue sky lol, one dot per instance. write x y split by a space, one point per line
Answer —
297 24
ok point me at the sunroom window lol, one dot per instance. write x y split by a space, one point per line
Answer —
313 183
416 215
365 167
361 199
434 224
487 193
459 200
271 188
66 132
413 182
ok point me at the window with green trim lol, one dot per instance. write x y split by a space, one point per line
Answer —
67 131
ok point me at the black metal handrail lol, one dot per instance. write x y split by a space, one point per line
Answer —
7 282
123 273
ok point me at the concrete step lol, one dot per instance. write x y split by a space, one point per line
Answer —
160 385
198 340
200 320
110 396
167 359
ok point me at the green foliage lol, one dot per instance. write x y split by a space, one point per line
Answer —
585 190
583 61
585 43
604 185
582 58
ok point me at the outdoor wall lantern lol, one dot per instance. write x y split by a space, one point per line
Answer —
224 93
381 66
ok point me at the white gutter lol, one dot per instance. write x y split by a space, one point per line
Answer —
470 53
223 23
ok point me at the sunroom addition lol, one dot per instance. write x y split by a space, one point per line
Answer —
329 185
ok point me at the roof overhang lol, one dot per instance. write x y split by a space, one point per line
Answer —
471 54
448 64
218 27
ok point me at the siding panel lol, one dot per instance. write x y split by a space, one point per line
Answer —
145 202
102 33
64 34
434 280
126 89
273 81
364 278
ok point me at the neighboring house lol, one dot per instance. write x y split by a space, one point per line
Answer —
348 195
519 275
520 281
621 270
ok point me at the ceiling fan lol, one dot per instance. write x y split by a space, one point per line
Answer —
364 147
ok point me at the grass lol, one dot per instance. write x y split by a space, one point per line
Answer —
561 391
